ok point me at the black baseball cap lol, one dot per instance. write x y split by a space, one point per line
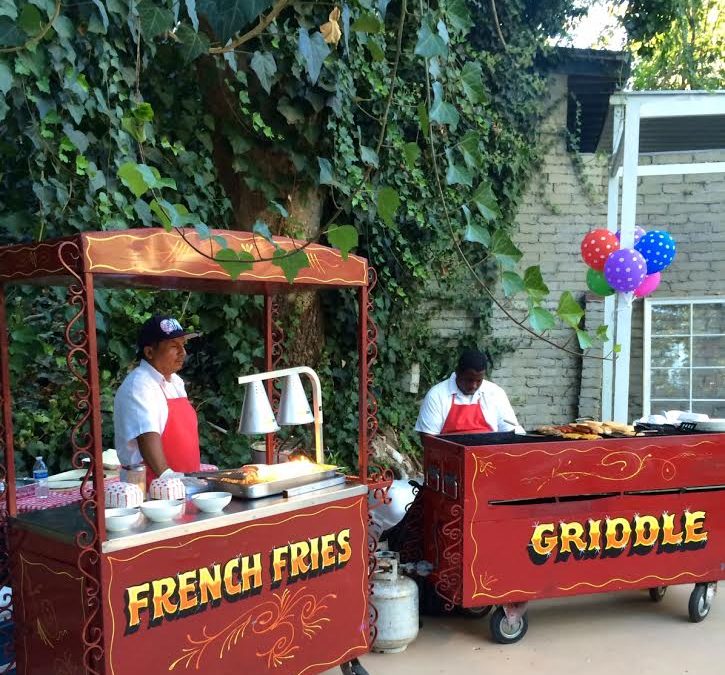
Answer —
159 328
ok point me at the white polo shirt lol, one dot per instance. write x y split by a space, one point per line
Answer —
140 407
497 410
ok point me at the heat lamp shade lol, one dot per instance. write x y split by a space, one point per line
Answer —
257 416
293 405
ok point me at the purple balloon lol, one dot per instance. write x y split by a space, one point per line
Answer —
638 232
625 269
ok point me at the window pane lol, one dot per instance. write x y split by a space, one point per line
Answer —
716 409
708 351
708 318
708 384
670 383
672 352
671 319
659 407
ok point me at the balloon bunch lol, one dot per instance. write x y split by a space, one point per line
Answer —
626 270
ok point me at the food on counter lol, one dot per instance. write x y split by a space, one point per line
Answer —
253 474
123 495
587 430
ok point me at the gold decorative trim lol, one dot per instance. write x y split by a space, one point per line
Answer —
632 581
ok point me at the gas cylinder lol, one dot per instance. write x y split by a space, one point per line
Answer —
396 599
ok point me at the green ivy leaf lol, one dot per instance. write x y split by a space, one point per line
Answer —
376 51
290 263
541 319
429 43
262 229
469 147
411 152
191 11
9 9
346 16
313 51
476 232
585 340
265 67
569 310
512 283
443 31
504 249
132 178
472 80
344 237
10 33
458 15
202 231
369 156
536 289
30 20
291 113
193 44
457 174
388 203
423 120
442 112
104 14
228 17
234 263
6 78
485 201
280 209
154 19
326 174
162 211
367 23
617 349
603 333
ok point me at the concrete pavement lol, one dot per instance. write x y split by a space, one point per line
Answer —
603 634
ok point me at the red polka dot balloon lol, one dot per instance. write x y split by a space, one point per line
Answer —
597 246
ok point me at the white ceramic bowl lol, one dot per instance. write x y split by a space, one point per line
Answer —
211 502
161 510
118 520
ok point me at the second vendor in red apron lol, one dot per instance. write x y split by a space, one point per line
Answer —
154 422
466 403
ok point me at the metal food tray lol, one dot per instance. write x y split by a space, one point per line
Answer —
272 487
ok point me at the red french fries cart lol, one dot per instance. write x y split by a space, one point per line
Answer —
279 584
507 520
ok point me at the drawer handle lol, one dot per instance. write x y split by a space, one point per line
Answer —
433 478
450 486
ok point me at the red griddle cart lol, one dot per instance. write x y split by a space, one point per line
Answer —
507 520
279 584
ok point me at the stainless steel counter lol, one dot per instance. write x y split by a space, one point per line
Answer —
64 522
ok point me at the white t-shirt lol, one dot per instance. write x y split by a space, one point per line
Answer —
497 410
140 407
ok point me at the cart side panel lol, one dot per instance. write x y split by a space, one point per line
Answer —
49 602
624 542
287 593
443 510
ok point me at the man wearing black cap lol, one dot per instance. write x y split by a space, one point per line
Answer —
466 402
154 423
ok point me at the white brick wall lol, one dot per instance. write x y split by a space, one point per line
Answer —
547 385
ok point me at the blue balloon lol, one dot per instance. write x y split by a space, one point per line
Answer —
658 249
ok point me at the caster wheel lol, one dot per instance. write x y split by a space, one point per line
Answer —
700 602
474 612
506 633
657 593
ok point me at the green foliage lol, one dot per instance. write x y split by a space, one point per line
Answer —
118 119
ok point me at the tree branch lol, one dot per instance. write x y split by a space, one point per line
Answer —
497 24
257 30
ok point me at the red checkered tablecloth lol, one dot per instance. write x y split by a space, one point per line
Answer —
27 501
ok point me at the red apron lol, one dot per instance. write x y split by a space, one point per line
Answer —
180 438
465 419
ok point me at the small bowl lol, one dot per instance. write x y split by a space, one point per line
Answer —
162 510
211 502
118 520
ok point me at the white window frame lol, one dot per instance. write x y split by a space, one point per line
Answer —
646 375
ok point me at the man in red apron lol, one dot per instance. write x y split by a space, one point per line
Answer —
466 403
154 423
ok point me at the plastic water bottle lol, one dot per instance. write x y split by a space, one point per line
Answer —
40 475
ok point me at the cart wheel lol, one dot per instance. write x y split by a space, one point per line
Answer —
700 603
657 593
504 632
474 612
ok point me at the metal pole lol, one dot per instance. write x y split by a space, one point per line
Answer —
6 419
629 212
362 329
268 365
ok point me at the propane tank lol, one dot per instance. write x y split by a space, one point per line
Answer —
396 599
